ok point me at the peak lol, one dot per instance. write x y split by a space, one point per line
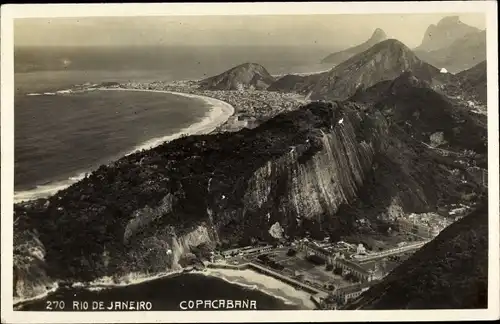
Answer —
450 20
379 34
392 42
249 64
244 75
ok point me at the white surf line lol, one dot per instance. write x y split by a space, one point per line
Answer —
219 113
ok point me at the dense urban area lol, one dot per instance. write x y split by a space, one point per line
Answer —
252 107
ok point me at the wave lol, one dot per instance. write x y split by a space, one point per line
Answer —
125 281
46 190
219 112
18 302
244 281
34 94
250 279
64 91
49 93
253 287
100 284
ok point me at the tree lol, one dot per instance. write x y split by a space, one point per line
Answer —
337 271
329 267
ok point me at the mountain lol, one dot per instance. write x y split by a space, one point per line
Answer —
384 61
450 272
317 169
463 53
338 57
406 101
244 76
445 33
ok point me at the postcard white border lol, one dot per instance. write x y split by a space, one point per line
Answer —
10 12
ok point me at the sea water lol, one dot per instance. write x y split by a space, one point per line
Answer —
60 135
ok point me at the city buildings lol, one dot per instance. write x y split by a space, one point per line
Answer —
427 225
343 294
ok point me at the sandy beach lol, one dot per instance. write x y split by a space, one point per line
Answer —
245 278
266 284
218 114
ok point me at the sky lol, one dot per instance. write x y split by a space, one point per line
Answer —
286 30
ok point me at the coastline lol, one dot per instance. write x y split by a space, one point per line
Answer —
102 284
218 114
245 278
266 284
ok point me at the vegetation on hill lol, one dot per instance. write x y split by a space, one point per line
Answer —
472 83
450 272
232 184
244 76
410 103
101 205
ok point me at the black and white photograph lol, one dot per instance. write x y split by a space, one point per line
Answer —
218 162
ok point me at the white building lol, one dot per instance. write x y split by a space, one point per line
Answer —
360 249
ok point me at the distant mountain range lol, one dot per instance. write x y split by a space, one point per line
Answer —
383 61
244 76
445 33
338 57
449 44
453 45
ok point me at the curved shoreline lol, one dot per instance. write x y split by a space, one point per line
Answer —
219 112
246 278
268 285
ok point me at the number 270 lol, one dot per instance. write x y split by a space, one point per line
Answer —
54 305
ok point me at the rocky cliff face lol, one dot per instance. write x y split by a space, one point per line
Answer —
339 57
317 169
30 271
148 211
244 76
444 33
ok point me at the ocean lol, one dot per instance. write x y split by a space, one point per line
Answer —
60 137
165 294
